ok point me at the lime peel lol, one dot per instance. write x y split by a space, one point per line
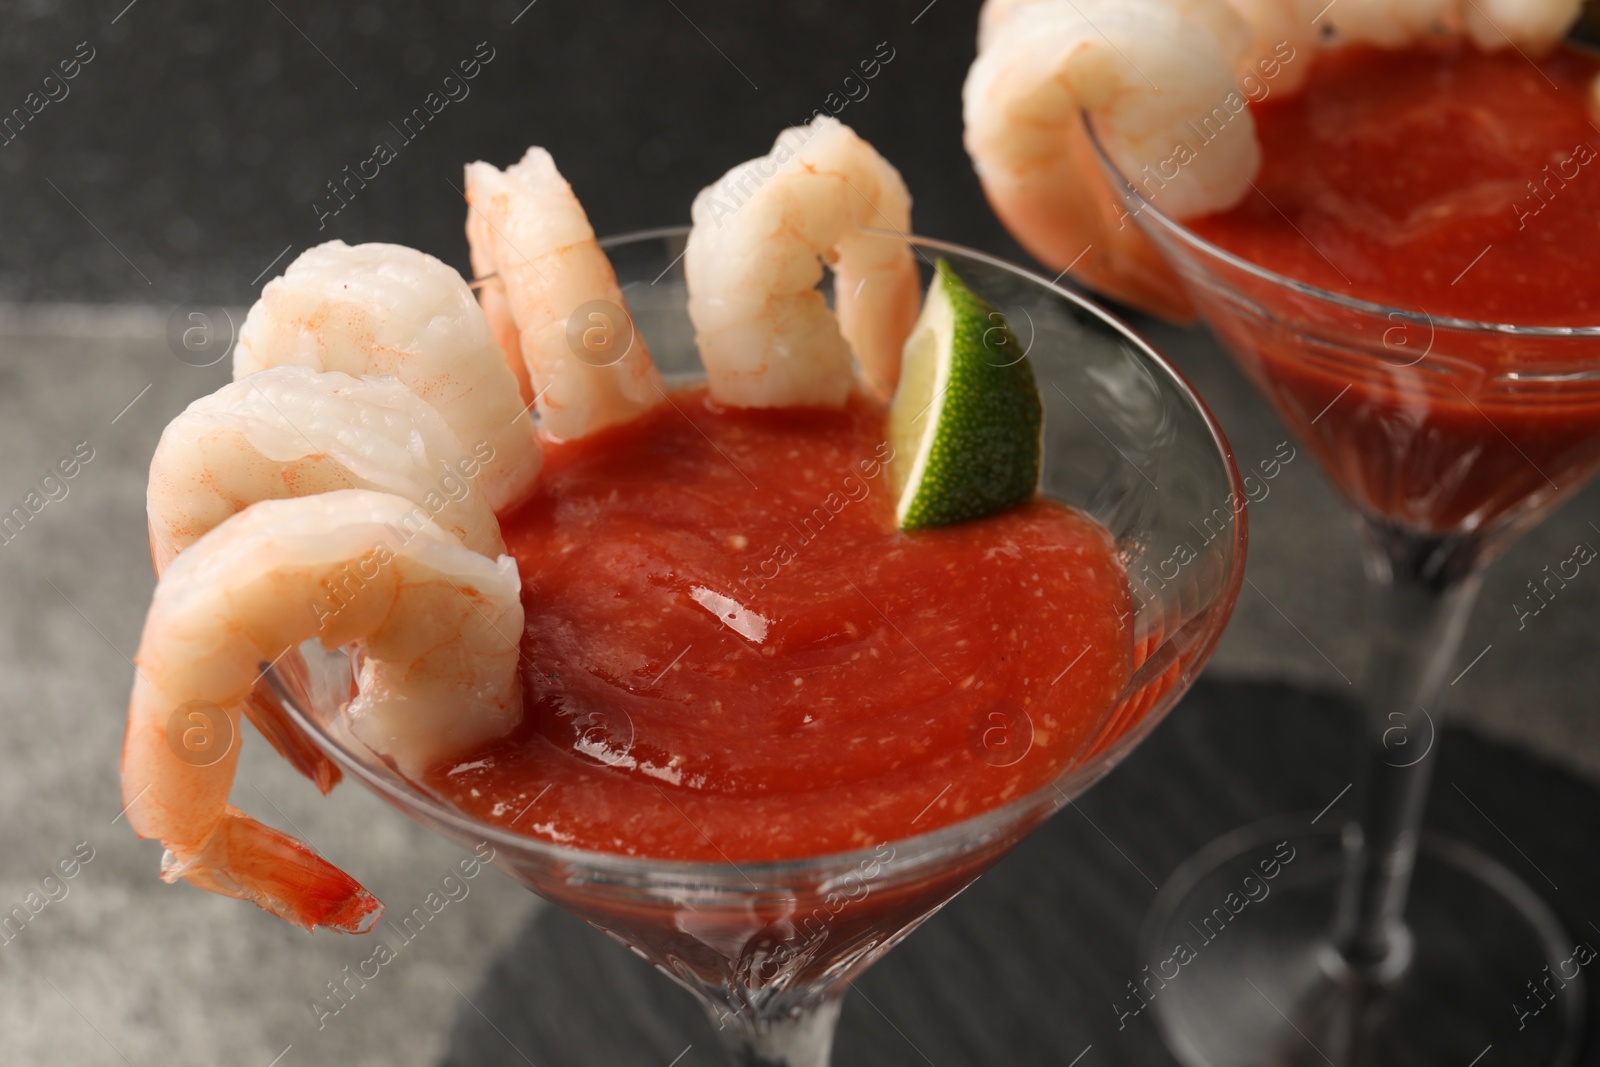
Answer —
966 423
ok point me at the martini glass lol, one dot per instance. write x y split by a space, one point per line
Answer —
1448 438
769 948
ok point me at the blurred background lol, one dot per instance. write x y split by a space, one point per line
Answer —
195 144
194 153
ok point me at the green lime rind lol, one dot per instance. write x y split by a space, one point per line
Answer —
967 422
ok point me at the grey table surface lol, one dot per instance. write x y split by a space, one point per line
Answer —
124 968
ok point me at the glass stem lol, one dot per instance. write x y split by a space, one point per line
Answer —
800 1037
1422 592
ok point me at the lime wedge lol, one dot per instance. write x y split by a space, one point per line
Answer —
966 421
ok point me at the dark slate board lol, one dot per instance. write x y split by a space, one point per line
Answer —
1023 968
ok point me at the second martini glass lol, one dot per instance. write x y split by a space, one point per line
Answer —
769 948
1447 438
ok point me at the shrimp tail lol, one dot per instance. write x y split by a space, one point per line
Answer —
267 715
251 861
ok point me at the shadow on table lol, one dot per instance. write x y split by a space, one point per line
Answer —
1032 965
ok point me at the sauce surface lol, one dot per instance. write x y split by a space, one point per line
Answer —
1399 169
732 655
1453 182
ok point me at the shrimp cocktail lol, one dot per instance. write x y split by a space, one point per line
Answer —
748 619
1386 212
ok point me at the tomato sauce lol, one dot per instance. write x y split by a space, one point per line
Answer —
1455 183
731 654
1398 169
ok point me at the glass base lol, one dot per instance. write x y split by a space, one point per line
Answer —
1241 970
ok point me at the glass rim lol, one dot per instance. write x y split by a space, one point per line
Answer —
918 849
1369 307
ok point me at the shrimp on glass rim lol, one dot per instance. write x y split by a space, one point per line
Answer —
1167 83
756 252
290 431
1047 62
553 301
433 625
326 494
391 310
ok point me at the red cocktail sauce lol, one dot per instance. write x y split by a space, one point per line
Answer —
1443 180
732 655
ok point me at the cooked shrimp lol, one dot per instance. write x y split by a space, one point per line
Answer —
434 624
1046 63
290 431
586 364
1392 23
1251 33
497 309
1229 31
1535 24
761 235
1492 24
387 309
1281 32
